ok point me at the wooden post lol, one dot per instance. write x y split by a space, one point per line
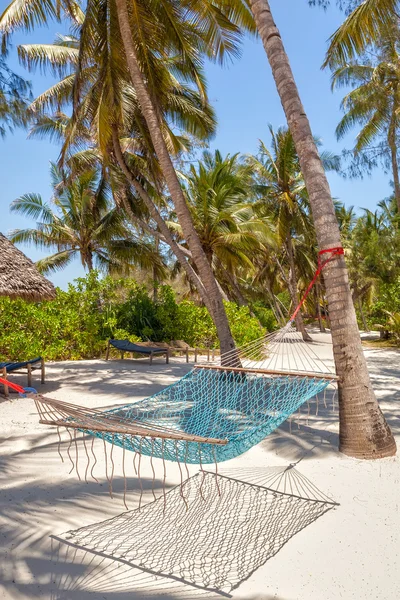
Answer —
167 357
208 354
29 367
187 354
42 370
131 354
108 350
151 358
195 355
5 386
122 355
213 354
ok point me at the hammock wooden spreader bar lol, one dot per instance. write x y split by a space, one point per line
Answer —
62 414
268 372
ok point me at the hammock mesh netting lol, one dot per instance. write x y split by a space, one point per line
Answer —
214 413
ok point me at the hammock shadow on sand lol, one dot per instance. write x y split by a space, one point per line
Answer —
213 531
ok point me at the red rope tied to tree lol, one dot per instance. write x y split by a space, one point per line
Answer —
334 252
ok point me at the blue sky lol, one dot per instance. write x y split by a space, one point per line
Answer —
245 99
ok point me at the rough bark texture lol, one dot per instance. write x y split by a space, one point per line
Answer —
320 319
293 291
393 154
363 319
364 432
206 274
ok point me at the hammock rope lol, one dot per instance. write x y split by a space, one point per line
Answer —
213 413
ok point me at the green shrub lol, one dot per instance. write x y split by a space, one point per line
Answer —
72 326
387 304
194 326
265 316
244 327
77 324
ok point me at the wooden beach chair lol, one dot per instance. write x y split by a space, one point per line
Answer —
27 365
127 346
184 349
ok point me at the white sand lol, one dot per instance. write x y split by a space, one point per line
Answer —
351 552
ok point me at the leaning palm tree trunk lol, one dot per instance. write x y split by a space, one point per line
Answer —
319 312
364 432
292 281
393 153
215 303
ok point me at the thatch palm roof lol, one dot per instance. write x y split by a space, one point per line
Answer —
19 277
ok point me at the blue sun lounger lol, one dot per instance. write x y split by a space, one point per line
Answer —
127 346
29 365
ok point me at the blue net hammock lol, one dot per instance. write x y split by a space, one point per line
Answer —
215 412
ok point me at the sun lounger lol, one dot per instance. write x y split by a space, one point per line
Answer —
127 346
184 348
29 365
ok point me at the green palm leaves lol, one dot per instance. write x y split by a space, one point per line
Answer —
375 97
14 96
367 24
81 222
373 105
231 233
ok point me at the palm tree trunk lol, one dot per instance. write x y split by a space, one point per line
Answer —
320 320
393 153
167 236
363 319
89 261
279 310
174 187
293 291
155 278
364 432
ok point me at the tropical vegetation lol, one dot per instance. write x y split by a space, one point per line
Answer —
78 323
130 105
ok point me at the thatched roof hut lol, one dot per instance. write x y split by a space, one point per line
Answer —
19 277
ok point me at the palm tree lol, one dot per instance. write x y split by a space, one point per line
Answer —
374 102
109 106
14 96
82 223
366 24
215 40
217 191
364 432
281 192
146 32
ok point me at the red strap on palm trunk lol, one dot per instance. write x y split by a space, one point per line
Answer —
334 252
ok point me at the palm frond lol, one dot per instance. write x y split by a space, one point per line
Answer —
365 25
55 262
33 207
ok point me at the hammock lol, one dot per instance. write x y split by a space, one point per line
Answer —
214 413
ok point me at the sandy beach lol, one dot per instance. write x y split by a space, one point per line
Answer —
350 552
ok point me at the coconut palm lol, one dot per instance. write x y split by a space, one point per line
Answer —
231 234
363 430
374 102
14 95
281 192
141 33
81 221
155 29
366 24
214 37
